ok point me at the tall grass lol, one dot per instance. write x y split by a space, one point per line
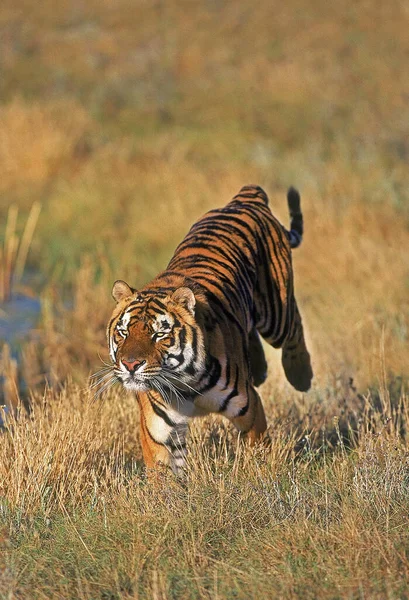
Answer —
13 254
277 521
126 123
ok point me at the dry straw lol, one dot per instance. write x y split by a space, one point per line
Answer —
13 254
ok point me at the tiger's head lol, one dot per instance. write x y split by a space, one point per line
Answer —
154 338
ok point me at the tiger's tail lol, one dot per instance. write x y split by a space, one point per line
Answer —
296 224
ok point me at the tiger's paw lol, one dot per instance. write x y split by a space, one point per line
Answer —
259 375
258 363
298 370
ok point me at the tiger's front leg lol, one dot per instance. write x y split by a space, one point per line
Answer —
250 419
163 433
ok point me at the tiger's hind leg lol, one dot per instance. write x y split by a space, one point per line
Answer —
251 420
258 363
295 356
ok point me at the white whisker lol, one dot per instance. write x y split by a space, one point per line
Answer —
172 388
101 379
107 385
103 370
156 385
172 375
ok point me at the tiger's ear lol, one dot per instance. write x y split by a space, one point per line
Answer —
121 290
186 298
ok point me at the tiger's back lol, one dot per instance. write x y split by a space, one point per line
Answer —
229 280
241 254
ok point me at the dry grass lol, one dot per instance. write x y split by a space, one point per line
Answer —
13 255
279 521
126 122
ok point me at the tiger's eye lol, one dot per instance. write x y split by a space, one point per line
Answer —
159 335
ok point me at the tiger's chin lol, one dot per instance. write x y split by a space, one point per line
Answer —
136 386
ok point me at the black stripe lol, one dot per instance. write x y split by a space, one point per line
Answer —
134 303
161 413
110 323
151 436
179 357
194 342
156 304
173 446
245 408
182 338
211 375
227 375
232 394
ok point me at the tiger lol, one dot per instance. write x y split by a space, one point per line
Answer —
189 342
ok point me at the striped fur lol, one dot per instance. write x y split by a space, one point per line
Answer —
189 344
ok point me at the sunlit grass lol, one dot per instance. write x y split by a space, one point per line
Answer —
13 254
285 519
126 123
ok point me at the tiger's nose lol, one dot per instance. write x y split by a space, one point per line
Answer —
132 364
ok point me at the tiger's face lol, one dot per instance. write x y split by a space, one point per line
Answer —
154 340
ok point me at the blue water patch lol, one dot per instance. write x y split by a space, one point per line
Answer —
18 317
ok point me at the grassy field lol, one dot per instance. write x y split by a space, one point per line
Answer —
125 121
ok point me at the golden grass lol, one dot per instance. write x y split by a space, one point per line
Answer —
126 123
13 254
274 521
36 141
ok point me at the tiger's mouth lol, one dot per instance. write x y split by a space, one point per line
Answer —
135 385
134 382
162 378
136 375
